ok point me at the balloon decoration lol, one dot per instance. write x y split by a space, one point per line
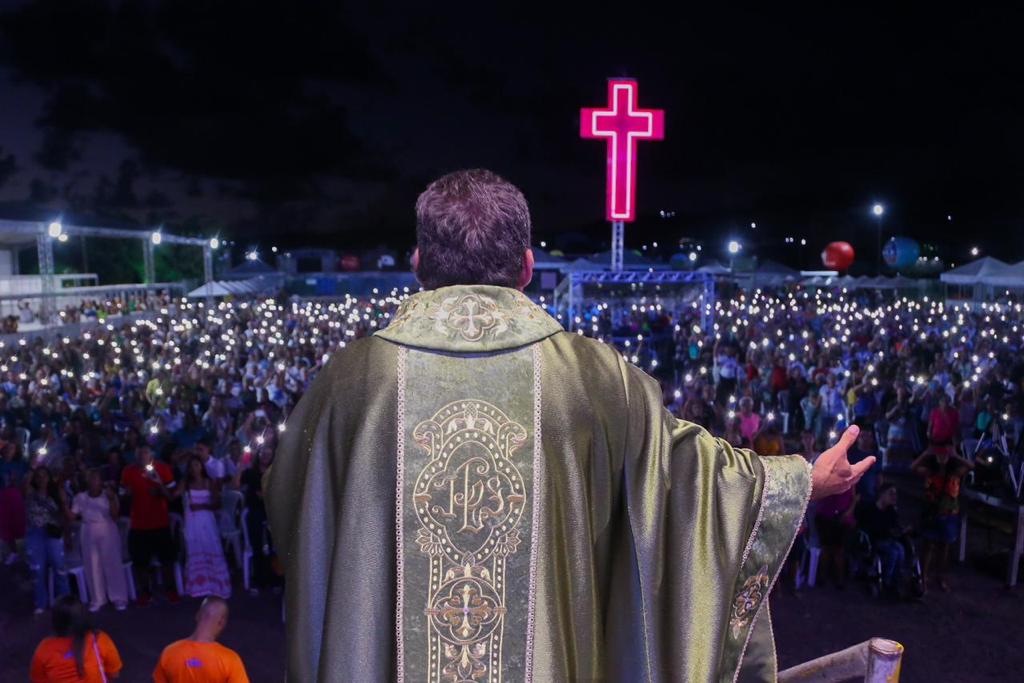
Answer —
837 256
901 253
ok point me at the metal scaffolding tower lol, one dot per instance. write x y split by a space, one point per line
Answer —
44 249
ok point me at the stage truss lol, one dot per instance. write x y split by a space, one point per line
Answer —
580 290
25 232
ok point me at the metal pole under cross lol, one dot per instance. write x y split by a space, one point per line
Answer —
618 238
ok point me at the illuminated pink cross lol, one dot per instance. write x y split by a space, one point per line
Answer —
622 124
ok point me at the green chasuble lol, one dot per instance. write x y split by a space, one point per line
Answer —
473 495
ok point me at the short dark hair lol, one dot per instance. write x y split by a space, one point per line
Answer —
472 228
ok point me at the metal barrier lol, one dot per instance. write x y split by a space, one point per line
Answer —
874 661
75 330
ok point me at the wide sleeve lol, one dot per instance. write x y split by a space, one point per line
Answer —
711 526
297 474
301 497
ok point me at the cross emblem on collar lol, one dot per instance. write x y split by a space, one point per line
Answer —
472 318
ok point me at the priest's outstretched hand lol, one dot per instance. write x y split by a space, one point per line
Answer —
833 472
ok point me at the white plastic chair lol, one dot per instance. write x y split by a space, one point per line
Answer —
246 551
74 566
808 572
227 519
177 524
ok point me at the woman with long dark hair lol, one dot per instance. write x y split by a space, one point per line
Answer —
206 571
76 651
47 513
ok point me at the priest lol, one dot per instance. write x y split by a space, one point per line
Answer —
474 495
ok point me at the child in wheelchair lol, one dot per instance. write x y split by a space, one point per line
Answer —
885 554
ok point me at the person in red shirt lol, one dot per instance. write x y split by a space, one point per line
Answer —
200 658
943 423
149 483
76 653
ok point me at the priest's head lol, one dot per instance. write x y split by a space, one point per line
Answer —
472 228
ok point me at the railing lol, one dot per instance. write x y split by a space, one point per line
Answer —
74 329
873 661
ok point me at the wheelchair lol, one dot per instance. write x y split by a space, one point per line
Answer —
866 564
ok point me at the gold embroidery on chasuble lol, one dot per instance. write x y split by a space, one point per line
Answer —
472 315
469 498
469 463
746 604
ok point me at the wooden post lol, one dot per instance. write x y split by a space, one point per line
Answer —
874 661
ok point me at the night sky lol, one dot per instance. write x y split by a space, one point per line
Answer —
312 124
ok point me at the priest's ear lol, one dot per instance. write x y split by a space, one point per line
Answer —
527 274
415 260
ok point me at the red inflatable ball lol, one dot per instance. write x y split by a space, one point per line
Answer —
837 256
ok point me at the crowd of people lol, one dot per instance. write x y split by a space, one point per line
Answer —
929 385
146 441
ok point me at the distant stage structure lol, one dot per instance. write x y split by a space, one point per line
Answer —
50 290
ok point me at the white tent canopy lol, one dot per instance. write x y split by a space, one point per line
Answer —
251 287
984 271
1011 278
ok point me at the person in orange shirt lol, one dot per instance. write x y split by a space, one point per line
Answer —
76 653
200 658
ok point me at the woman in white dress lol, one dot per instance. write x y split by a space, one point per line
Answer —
101 543
206 571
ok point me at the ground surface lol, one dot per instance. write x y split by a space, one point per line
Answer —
973 634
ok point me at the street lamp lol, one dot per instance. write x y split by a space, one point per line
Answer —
156 237
975 251
879 211
214 243
55 229
734 248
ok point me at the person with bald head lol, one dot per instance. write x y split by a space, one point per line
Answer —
200 658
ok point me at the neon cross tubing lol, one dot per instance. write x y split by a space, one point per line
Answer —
622 124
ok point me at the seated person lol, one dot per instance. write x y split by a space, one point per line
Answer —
880 519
